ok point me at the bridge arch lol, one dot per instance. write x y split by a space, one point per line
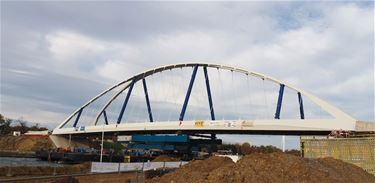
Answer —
347 122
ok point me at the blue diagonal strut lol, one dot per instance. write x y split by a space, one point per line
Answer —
182 114
300 101
105 117
77 118
209 93
147 100
126 101
279 101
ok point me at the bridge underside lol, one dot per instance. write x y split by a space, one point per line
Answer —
192 132
261 127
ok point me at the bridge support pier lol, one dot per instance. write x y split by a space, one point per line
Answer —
66 142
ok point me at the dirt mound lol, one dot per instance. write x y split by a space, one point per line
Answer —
24 143
44 170
274 167
163 158
195 171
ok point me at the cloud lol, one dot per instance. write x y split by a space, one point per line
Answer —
67 52
22 72
67 46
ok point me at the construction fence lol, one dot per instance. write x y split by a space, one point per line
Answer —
357 151
105 167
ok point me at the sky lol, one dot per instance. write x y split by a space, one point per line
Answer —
55 56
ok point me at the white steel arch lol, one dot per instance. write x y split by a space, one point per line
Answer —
346 121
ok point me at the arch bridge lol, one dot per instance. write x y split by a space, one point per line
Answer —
276 124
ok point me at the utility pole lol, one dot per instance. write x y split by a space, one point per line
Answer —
101 148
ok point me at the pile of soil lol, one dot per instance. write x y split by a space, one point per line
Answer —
194 171
273 167
165 158
25 143
43 170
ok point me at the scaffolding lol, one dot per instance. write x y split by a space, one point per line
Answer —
357 151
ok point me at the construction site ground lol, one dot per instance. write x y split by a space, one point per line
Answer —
88 178
273 167
255 167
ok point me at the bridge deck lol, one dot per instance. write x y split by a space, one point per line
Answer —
271 127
